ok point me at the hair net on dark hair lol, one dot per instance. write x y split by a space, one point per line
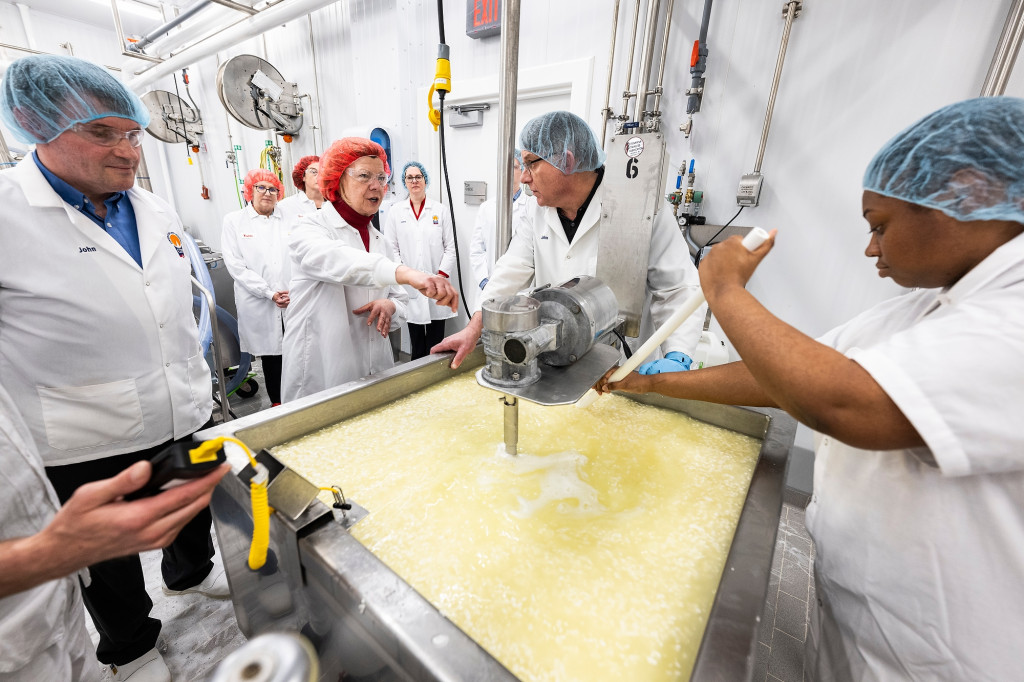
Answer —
554 135
966 160
44 95
260 175
340 155
299 172
416 164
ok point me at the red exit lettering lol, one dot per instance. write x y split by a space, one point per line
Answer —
485 12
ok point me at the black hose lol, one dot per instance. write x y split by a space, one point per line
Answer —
451 204
440 21
625 345
696 260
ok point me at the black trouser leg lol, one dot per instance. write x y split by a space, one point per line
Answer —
272 376
418 341
116 597
435 333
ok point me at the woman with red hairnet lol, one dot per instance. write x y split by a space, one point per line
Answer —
255 245
308 199
346 293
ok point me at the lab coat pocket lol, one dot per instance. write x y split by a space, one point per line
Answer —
81 417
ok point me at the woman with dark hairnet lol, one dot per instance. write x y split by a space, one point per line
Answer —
345 293
918 508
420 234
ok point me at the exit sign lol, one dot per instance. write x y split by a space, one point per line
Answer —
483 18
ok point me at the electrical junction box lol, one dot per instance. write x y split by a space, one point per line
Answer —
749 191
475 191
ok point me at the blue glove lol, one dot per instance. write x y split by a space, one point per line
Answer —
673 362
484 282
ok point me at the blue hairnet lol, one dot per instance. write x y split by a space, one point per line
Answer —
966 160
415 164
44 95
550 136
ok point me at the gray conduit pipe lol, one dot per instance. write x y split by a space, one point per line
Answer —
696 92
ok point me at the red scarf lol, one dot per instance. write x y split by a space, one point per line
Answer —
416 213
357 220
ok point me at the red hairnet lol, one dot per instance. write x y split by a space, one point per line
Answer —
340 155
299 172
260 175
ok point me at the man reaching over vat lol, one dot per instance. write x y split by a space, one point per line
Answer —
556 238
919 472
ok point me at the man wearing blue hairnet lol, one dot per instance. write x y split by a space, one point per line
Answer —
918 508
100 348
557 239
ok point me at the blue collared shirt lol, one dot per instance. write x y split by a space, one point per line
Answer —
120 222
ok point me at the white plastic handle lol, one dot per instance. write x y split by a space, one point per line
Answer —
754 239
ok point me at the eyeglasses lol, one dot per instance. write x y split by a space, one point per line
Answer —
262 189
365 177
413 178
106 136
527 166
313 171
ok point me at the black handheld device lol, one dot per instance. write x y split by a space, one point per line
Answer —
177 464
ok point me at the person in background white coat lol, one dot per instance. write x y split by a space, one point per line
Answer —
917 514
42 545
100 349
420 233
481 249
345 293
557 239
308 199
254 241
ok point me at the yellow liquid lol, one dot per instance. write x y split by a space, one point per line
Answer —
593 554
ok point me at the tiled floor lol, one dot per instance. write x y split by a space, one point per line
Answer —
780 656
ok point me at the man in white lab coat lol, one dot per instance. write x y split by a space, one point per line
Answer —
254 241
421 236
42 545
481 249
557 238
100 347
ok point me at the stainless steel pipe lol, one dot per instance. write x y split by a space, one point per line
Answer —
1005 55
508 89
791 8
646 57
661 66
629 65
606 113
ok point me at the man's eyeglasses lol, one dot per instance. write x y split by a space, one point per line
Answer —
106 136
527 166
263 189
366 177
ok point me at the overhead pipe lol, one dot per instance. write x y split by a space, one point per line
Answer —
791 9
698 63
1005 55
8 46
26 22
166 27
646 55
508 95
249 27
656 111
121 39
606 113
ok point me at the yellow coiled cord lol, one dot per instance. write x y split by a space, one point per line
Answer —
257 494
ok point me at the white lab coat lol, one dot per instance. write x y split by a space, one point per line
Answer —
920 567
101 356
481 249
255 251
539 253
426 244
296 207
325 345
42 630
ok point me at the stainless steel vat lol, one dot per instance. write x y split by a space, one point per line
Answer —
366 621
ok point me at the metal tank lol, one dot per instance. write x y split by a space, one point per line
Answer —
367 623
